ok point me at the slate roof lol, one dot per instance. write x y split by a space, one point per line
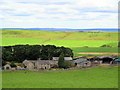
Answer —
80 60
65 58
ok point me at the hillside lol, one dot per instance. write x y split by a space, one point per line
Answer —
68 39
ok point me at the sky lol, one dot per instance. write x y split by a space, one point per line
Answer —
59 14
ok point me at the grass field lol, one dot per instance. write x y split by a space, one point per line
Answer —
96 77
68 39
78 41
79 51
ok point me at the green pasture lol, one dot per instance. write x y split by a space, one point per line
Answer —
78 41
66 43
15 41
61 35
96 77
82 43
108 50
67 39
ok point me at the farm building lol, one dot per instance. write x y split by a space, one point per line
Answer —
43 64
7 67
46 64
29 64
65 58
101 60
39 64
106 59
117 61
82 62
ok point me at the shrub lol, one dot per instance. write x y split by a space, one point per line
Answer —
105 45
12 64
67 64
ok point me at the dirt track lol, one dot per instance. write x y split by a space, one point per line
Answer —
99 53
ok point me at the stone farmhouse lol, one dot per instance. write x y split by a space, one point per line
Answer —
39 64
43 64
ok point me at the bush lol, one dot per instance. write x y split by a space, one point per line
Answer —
86 47
67 64
105 45
12 64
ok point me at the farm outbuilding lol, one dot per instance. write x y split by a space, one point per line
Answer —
101 60
117 61
82 62
7 67
106 59
29 64
65 58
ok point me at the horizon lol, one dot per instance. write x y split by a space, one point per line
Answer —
67 29
54 28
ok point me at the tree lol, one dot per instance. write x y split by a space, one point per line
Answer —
61 60
19 53
119 44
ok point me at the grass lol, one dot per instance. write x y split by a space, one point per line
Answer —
78 41
68 39
81 43
97 77
109 50
15 41
61 35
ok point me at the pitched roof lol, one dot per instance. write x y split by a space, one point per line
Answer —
43 62
65 58
46 62
80 60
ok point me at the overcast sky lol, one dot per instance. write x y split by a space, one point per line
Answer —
59 13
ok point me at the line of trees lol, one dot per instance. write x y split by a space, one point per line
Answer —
19 53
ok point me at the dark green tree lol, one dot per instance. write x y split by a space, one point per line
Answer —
61 60
119 44
19 53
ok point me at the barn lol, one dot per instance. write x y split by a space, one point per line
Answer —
81 62
101 60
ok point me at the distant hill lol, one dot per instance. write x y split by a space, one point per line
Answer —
67 29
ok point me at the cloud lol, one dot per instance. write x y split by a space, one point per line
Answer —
59 13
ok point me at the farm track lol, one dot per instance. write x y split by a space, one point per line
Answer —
99 53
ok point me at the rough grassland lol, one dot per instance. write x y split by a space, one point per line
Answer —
75 40
68 39
99 77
